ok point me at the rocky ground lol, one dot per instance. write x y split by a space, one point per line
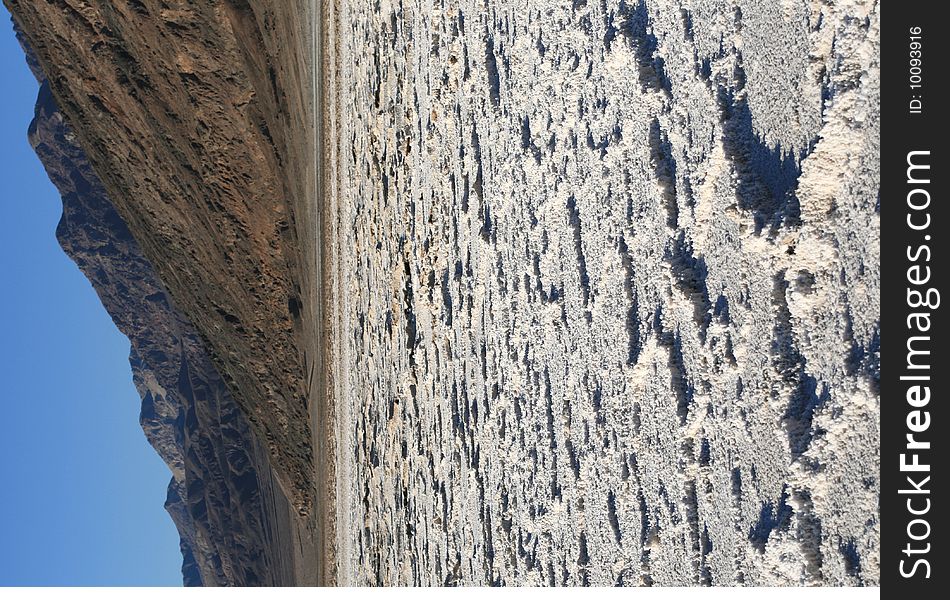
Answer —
603 290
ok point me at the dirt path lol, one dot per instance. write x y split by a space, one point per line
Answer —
318 568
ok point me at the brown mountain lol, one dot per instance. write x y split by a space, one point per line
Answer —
222 494
196 118
181 138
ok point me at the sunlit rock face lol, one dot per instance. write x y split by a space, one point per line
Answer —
215 496
196 117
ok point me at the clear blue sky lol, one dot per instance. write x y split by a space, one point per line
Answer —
82 491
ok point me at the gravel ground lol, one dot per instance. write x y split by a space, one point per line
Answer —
604 291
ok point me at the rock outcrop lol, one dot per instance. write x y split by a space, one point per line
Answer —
221 494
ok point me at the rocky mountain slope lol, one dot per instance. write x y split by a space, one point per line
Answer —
186 111
221 495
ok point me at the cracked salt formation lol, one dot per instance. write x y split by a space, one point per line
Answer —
604 291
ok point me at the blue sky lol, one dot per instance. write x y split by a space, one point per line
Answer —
82 491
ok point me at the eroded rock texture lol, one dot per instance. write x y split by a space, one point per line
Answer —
193 115
222 493
605 282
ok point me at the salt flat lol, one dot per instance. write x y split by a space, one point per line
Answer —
603 291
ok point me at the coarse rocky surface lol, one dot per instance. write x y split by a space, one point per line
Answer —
222 494
604 291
